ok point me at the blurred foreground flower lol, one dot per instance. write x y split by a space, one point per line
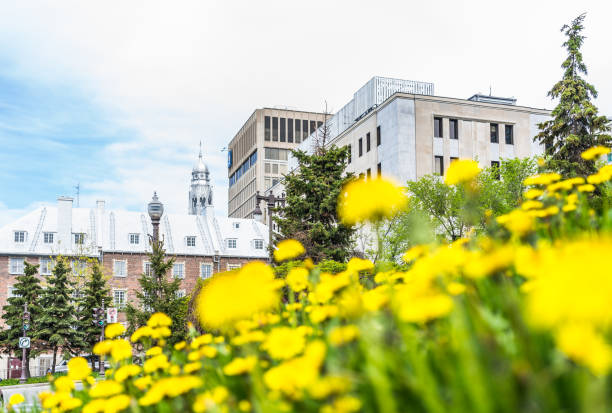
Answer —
595 152
288 249
461 171
370 200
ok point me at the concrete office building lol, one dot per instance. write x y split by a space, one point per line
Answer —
400 129
258 154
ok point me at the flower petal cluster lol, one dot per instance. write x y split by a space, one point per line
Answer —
370 200
461 171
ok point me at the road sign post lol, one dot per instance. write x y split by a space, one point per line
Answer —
24 343
99 318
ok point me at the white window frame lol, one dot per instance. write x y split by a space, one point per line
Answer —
187 238
174 273
229 242
256 241
233 266
208 265
18 269
236 225
45 269
78 235
181 293
21 241
78 267
144 267
125 296
9 292
132 237
46 234
115 274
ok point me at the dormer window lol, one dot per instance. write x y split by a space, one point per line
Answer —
231 243
48 237
190 240
236 225
20 236
134 239
79 238
258 244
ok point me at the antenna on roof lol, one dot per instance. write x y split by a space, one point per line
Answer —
78 192
489 90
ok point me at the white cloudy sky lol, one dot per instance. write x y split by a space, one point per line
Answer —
115 95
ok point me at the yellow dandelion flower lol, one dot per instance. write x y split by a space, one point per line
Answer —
16 398
517 222
153 351
531 205
586 188
339 336
370 200
244 406
583 345
159 320
344 404
142 332
105 388
124 372
114 330
180 345
117 403
230 297
142 383
78 368
103 347
191 367
284 342
533 193
71 403
288 249
63 384
455 288
121 350
297 279
542 179
595 152
414 253
240 365
155 363
461 171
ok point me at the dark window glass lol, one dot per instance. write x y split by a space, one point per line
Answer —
312 126
379 169
437 127
350 154
282 129
369 173
290 130
509 135
439 165
360 146
298 131
368 142
319 123
378 138
453 132
275 129
495 166
494 133
267 128
453 159
305 133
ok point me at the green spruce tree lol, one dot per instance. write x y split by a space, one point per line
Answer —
310 214
96 294
575 125
57 323
26 290
158 293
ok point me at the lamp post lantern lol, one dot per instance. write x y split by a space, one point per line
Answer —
272 202
156 210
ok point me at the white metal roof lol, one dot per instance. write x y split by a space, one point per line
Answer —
109 231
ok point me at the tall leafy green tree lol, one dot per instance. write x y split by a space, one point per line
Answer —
58 322
26 290
96 294
310 214
158 293
575 125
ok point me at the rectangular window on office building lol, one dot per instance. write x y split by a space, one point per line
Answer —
453 126
275 129
439 165
437 127
305 133
378 137
290 130
379 170
298 131
205 270
313 126
267 128
360 146
495 166
350 153
368 142
369 173
283 137
178 270
509 134
494 133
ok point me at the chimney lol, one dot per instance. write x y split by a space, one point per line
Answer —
100 205
64 223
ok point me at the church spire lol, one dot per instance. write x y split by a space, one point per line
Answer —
200 192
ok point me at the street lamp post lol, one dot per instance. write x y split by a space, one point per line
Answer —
272 202
156 210
24 350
